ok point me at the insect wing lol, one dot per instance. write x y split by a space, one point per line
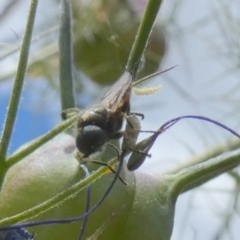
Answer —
140 152
117 95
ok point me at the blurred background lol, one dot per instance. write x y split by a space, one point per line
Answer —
200 37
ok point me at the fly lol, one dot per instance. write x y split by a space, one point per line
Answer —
102 122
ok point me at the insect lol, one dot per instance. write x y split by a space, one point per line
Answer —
98 125
102 122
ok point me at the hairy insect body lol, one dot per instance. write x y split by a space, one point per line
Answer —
103 121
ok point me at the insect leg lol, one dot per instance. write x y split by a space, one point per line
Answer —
69 113
105 165
88 160
141 115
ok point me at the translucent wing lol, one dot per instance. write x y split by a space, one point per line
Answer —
117 95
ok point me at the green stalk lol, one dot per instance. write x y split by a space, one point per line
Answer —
208 154
142 37
18 84
198 174
22 153
65 57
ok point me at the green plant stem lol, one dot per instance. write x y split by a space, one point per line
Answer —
18 83
65 57
40 141
3 171
142 37
211 153
198 174
58 199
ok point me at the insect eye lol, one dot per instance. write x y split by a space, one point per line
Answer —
90 139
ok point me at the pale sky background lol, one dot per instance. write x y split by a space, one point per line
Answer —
199 85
